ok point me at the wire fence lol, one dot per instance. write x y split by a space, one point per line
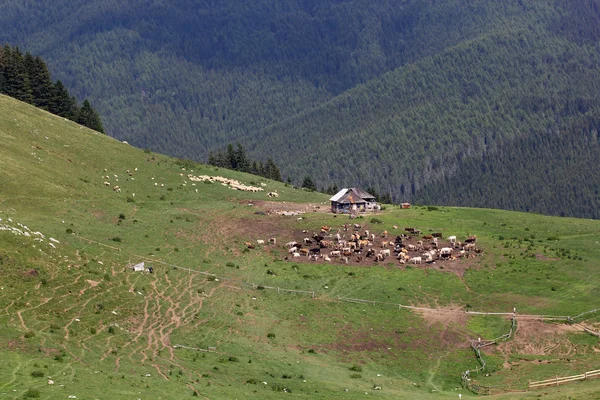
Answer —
476 345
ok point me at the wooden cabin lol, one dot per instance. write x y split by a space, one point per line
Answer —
353 200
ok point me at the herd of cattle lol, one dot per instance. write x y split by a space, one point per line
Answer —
352 244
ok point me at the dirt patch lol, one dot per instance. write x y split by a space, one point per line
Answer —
445 316
539 338
275 207
92 283
544 257
364 242
32 272
18 345
98 214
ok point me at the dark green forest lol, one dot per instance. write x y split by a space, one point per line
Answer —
235 158
27 78
429 101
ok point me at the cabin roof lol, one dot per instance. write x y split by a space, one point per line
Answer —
352 196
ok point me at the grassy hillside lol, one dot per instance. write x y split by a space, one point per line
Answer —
72 313
399 96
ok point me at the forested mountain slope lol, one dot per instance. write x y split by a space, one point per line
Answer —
425 123
394 95
184 77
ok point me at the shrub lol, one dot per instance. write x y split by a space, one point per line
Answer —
121 216
37 374
356 368
29 334
271 335
93 331
69 231
111 330
312 351
376 221
116 239
32 394
356 376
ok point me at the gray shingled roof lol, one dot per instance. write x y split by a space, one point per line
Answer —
351 196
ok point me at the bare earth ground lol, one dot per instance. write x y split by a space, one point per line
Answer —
284 229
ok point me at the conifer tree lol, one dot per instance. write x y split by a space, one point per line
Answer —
61 103
88 117
242 162
308 183
231 157
15 75
2 69
39 81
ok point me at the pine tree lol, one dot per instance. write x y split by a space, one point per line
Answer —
39 81
308 183
16 80
212 160
2 69
61 103
88 117
231 157
272 172
243 164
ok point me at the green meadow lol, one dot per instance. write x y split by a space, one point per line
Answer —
209 321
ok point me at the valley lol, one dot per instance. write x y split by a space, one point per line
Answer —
217 319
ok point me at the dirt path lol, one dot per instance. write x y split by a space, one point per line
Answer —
20 312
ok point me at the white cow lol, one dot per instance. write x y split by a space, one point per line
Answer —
445 252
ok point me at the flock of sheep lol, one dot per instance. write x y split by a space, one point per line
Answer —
23 230
227 182
231 183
